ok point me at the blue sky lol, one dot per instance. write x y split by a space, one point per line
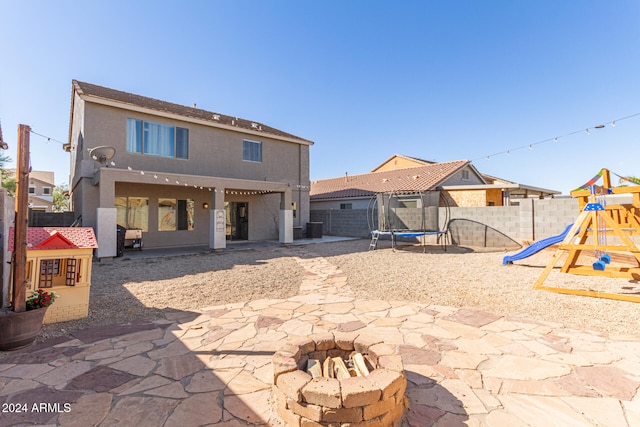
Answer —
441 80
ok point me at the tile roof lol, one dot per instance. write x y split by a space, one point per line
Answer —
89 89
407 180
81 237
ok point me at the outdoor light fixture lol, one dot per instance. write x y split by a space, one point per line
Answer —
205 205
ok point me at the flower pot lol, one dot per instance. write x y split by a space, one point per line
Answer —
18 330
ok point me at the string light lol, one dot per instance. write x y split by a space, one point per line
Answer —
612 123
49 139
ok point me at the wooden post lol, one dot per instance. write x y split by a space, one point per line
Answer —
22 213
606 178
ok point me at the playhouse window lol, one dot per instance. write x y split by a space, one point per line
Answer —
29 274
58 272
49 268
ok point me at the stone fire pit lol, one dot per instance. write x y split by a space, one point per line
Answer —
376 399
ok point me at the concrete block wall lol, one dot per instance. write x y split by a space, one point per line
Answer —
342 222
414 219
551 216
534 219
502 218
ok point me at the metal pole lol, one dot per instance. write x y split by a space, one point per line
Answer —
22 220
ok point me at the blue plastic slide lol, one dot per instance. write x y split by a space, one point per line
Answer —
536 247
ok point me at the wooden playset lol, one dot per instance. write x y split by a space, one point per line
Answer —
603 231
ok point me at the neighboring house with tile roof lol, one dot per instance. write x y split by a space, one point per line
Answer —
356 191
183 175
59 260
459 181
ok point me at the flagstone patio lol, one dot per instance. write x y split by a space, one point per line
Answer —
213 366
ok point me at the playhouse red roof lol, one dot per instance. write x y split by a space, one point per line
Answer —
57 238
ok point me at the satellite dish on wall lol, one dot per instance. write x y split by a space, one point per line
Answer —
102 154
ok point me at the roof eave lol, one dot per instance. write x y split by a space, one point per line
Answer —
151 111
501 187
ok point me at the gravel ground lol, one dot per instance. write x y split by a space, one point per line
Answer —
124 290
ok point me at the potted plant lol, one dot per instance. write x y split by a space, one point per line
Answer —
40 299
20 329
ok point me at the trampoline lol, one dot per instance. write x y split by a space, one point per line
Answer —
406 215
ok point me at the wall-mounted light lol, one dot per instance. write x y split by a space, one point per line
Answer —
205 205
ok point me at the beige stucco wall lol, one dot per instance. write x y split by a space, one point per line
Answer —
494 197
398 163
212 151
467 198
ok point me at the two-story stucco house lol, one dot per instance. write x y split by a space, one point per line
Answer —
41 186
182 175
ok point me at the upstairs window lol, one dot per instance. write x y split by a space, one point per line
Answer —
251 151
465 174
32 190
46 191
156 139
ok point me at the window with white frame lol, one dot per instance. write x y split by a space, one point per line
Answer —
251 151
465 174
156 139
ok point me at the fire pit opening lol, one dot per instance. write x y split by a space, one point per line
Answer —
333 378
